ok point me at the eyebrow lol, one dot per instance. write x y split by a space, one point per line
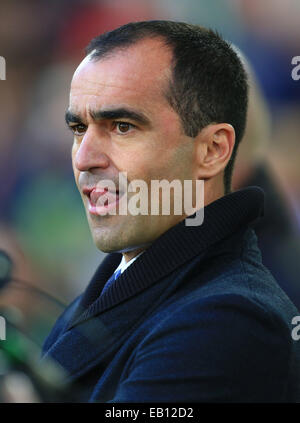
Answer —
118 113
72 118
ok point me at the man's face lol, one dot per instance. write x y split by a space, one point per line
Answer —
122 122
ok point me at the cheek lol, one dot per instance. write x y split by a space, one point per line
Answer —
73 152
137 163
76 175
158 161
75 170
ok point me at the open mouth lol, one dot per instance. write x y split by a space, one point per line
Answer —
101 200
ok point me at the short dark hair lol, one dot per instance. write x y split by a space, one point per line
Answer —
208 83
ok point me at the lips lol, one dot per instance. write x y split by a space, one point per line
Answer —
103 197
101 200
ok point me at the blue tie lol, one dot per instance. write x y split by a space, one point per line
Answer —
111 280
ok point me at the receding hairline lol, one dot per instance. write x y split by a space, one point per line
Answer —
94 57
96 54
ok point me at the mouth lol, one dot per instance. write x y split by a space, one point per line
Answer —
101 201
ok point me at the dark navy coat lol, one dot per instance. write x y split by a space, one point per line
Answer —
196 318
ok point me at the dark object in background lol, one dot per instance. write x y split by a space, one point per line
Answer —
278 236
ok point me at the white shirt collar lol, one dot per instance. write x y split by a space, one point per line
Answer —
123 265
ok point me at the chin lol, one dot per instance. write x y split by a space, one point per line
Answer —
107 240
112 243
105 245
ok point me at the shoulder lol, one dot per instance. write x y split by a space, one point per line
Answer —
229 290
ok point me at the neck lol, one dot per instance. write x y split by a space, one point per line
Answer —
131 254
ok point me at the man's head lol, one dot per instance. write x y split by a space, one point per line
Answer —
158 100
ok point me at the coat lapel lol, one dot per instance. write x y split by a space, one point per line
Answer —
95 340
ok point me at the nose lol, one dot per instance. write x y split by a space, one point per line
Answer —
92 151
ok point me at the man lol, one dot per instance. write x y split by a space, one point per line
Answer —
175 312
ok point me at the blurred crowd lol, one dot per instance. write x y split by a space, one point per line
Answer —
42 221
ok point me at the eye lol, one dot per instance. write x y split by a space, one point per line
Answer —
123 127
78 130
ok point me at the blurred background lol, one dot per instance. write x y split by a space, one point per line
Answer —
42 222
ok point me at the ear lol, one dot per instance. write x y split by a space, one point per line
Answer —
213 149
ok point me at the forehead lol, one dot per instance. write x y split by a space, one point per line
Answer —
138 73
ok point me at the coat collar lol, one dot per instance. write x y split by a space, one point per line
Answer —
171 250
